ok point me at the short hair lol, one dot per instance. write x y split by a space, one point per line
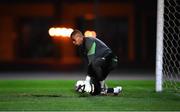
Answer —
75 32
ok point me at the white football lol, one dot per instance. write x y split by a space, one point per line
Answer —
80 86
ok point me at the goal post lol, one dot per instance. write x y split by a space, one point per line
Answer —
159 45
168 46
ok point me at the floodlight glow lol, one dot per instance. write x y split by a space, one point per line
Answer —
52 31
89 33
60 31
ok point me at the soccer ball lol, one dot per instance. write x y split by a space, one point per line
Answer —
80 86
84 86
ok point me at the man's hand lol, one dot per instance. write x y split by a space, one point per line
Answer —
88 78
87 88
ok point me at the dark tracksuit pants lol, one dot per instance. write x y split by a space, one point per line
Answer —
99 70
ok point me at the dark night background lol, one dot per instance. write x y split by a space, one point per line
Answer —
127 26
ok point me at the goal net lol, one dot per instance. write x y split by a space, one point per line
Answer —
168 45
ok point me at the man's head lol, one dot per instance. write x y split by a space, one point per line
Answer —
77 37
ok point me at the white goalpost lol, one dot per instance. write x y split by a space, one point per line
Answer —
159 44
168 45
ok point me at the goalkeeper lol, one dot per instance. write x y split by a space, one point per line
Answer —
100 57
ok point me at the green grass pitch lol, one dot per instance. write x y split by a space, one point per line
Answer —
52 95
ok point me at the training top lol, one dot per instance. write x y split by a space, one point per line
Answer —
93 48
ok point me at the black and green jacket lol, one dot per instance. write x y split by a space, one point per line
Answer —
93 48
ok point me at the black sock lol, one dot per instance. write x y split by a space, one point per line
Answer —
110 90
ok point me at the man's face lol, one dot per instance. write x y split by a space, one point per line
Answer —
77 39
